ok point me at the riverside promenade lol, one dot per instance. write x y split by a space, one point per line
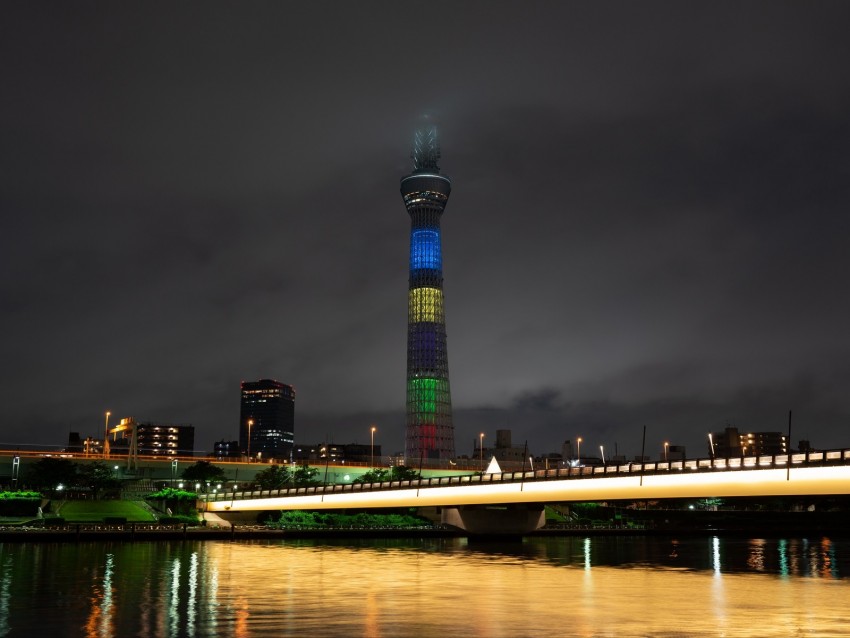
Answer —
145 532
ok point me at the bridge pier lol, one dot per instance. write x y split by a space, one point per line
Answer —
246 517
515 519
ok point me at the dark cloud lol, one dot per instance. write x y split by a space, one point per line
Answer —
647 226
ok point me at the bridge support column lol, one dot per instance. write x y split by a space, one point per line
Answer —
495 520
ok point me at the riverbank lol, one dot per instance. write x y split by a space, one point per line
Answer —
726 532
134 532
130 532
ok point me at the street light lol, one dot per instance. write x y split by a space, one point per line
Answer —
106 437
602 452
578 440
250 423
711 445
372 453
666 445
481 448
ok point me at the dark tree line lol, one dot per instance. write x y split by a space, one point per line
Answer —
276 477
52 475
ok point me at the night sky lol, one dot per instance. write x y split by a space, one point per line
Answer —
648 223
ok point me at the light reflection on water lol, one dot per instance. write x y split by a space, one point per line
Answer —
589 587
5 586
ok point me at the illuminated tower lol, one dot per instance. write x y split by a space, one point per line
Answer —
430 432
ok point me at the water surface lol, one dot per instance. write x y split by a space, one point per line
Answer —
558 586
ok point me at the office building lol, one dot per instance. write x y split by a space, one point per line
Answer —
267 420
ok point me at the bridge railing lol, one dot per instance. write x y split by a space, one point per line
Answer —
829 457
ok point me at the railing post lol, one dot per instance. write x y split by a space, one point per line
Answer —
788 449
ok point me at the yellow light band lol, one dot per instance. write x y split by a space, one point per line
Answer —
425 304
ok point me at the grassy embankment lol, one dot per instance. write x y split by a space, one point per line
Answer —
104 511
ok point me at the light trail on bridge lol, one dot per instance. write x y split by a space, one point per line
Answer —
763 477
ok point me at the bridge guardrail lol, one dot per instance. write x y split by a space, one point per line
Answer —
754 463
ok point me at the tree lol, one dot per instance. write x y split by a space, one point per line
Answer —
404 473
97 476
177 501
373 476
395 473
203 472
273 478
49 473
305 476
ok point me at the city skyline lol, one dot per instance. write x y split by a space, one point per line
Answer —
649 221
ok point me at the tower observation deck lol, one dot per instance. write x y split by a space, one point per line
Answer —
430 432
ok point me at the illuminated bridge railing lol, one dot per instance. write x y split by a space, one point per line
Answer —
811 459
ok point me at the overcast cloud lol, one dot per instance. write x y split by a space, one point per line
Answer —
648 224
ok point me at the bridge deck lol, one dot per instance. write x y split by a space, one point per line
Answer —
817 473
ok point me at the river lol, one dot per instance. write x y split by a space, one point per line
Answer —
543 586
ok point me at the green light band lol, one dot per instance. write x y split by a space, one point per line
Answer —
425 394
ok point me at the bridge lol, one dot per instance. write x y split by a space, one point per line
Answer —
479 501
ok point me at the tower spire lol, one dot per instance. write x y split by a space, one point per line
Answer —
426 149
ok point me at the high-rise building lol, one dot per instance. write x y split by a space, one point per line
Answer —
267 419
430 431
166 439
132 438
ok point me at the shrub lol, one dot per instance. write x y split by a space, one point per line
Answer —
171 494
20 495
19 503
324 520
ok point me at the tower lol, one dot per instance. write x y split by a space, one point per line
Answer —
267 419
430 432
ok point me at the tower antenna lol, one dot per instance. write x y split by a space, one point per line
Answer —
426 149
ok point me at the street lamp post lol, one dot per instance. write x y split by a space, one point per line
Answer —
666 445
602 452
578 450
372 452
481 448
711 445
106 437
250 423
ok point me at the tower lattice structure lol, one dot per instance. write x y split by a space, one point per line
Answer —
430 431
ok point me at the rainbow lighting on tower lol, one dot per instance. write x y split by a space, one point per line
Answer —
430 432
